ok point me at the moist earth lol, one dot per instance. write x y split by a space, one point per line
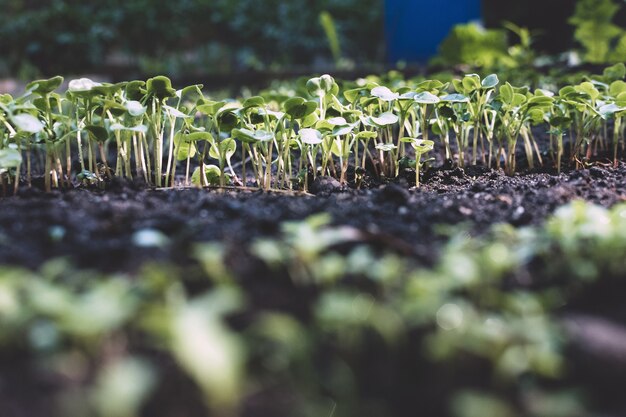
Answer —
96 229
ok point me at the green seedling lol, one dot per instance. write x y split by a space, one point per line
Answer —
421 147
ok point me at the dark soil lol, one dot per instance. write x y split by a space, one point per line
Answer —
95 229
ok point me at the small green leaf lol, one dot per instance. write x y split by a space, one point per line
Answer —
342 130
9 158
198 136
385 147
82 85
174 112
210 108
27 123
250 136
384 93
615 72
470 82
299 108
363 135
97 133
135 90
228 147
506 93
45 87
135 108
256 101
385 119
137 129
160 87
426 98
337 121
353 95
310 136
455 98
211 173
617 87
490 81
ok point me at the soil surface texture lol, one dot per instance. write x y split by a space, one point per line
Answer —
100 229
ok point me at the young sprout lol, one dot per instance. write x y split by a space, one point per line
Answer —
421 147
454 110
158 91
310 140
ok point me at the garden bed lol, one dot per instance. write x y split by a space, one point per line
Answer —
359 268
95 229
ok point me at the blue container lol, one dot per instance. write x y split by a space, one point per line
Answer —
415 28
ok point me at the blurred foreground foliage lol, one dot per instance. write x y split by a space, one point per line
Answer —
483 332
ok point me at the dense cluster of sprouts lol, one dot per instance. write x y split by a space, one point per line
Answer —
147 129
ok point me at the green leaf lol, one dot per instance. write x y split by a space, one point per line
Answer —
614 72
191 90
384 93
208 351
138 129
490 81
320 86
228 147
198 136
45 87
471 82
107 89
431 85
589 89
227 119
560 121
609 110
82 85
342 130
364 135
256 101
337 121
27 123
617 87
250 136
184 149
385 147
310 136
135 90
299 108
160 87
423 146
211 174
426 98
210 108
506 93
135 108
174 112
9 158
353 95
97 133
455 98
114 107
385 119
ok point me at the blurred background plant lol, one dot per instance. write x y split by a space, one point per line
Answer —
135 38
71 36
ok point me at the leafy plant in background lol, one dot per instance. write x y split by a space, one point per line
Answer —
602 40
471 44
69 36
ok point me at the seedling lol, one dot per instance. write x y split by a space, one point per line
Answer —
421 147
155 127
